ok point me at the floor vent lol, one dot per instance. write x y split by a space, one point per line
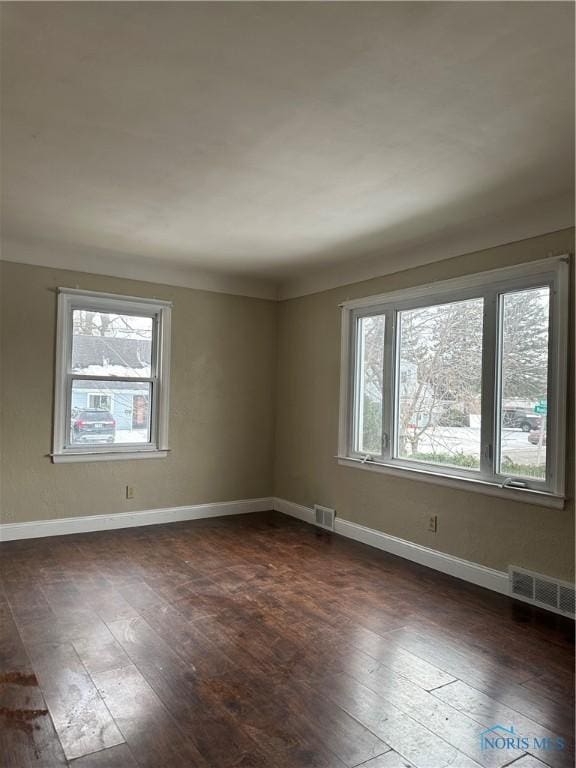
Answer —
557 596
324 517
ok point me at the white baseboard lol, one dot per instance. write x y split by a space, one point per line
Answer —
466 570
66 525
294 510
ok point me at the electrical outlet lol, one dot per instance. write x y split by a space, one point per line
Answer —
433 523
129 491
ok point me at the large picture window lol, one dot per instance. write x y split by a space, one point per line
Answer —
111 392
461 382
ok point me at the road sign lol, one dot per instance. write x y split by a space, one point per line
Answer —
542 407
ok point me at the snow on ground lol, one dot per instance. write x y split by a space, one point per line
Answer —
515 444
113 370
131 436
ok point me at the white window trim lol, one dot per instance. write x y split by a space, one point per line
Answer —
552 270
69 299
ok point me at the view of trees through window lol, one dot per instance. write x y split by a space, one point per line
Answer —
439 383
371 383
524 404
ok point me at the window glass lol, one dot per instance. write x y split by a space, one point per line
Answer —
370 384
439 384
108 344
107 412
524 376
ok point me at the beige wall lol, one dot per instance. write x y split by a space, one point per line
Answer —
222 397
491 531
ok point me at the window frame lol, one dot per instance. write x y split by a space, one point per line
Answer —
490 286
70 299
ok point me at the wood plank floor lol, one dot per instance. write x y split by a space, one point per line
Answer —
259 642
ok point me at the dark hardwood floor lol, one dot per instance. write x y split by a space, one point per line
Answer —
259 642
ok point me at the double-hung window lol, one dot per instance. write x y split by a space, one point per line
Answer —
462 382
112 377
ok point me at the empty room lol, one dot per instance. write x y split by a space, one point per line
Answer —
287 385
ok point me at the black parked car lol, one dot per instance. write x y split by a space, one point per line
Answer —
93 425
520 418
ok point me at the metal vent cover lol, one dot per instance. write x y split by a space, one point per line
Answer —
531 587
566 600
522 584
546 592
324 517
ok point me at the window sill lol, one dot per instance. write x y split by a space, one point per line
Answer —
474 485
71 457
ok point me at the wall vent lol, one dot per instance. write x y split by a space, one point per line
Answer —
555 595
566 600
324 517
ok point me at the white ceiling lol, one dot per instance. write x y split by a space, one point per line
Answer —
284 142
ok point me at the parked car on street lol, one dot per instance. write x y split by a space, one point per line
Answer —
93 425
534 437
520 418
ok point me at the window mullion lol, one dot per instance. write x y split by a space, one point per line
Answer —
489 428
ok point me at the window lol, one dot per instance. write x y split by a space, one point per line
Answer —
462 382
112 377
100 402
